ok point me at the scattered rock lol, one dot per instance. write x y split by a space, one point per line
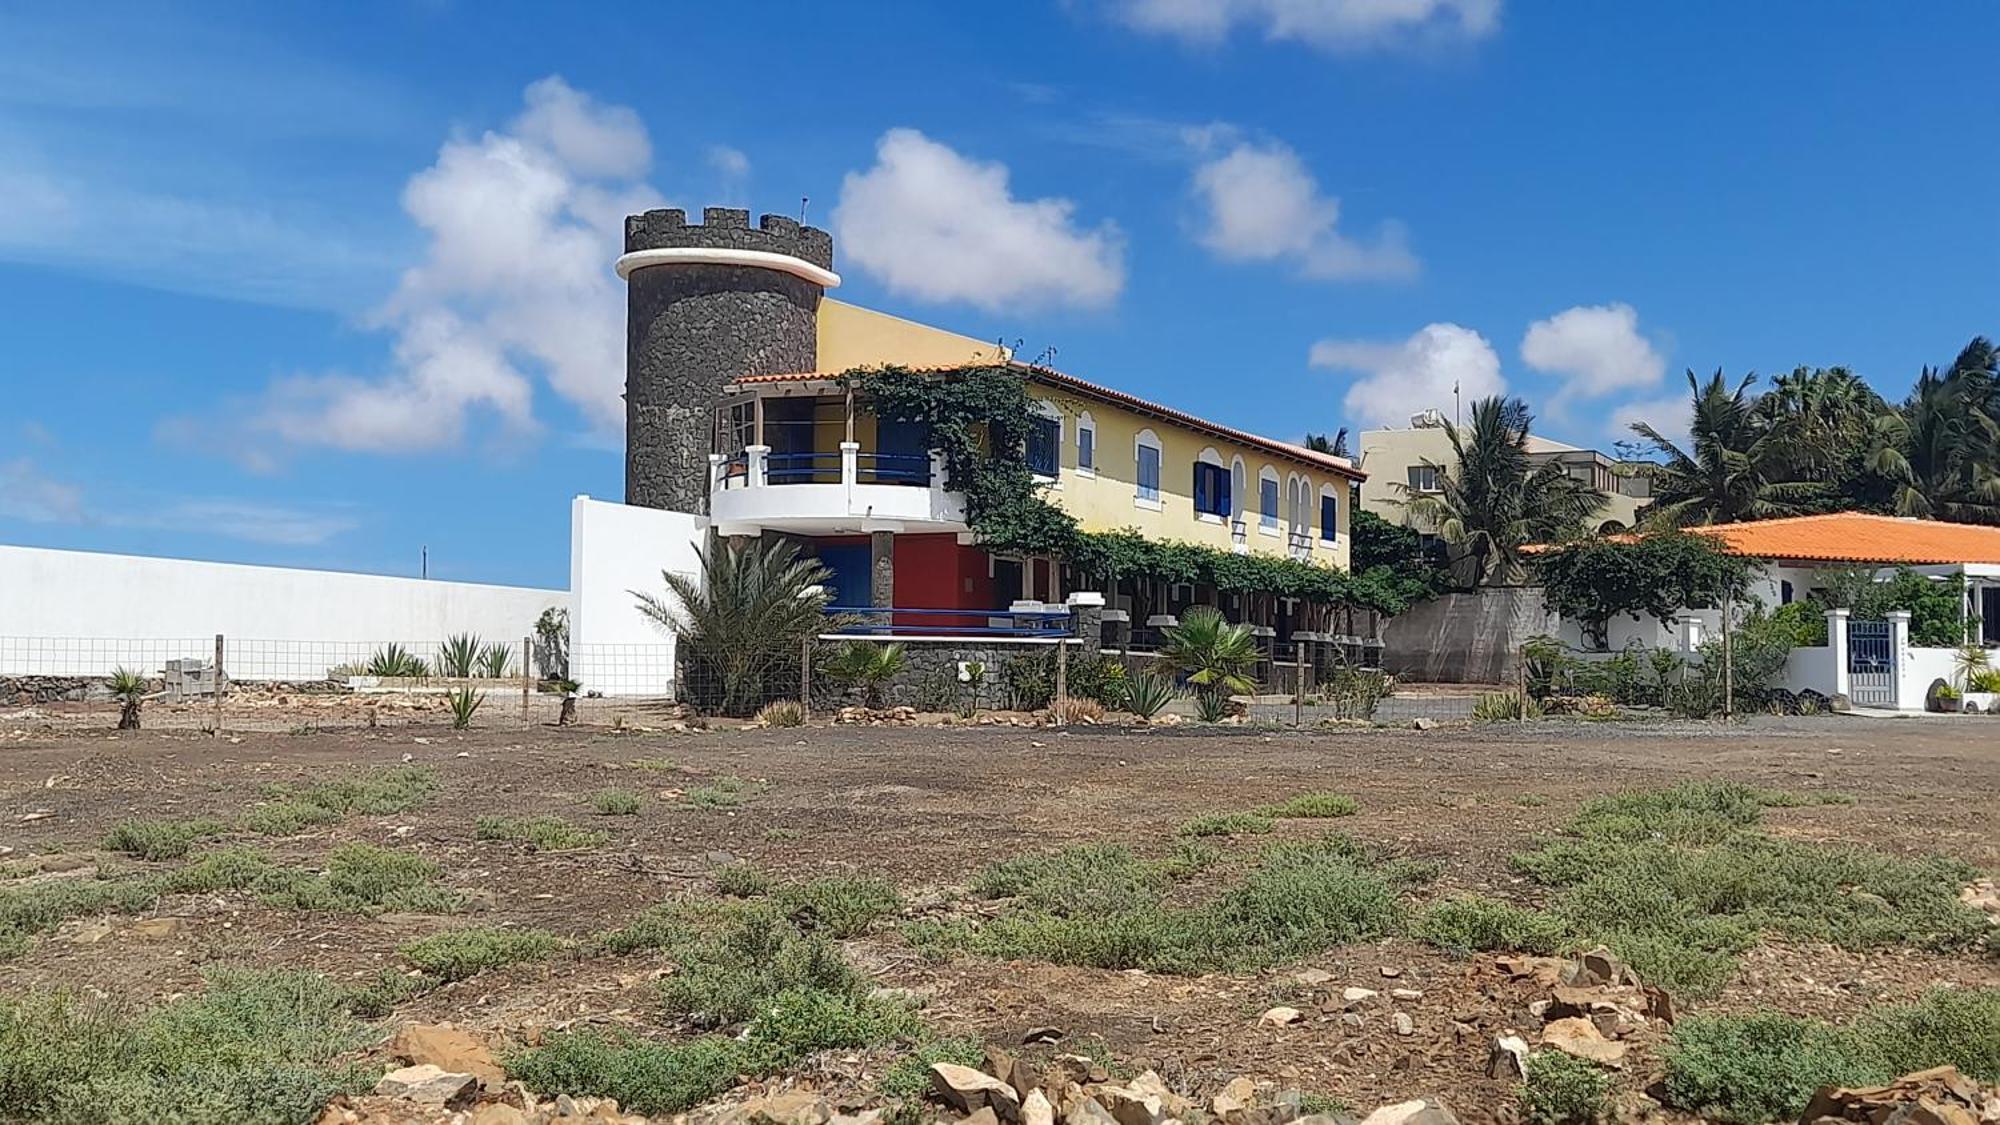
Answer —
1407 994
1237 1096
1422 1111
1353 995
1313 978
1129 1106
1041 1035
428 1085
448 1048
1598 967
1036 1110
1421 722
1404 1024
1281 1016
1390 972
1579 1037
1508 1060
966 1090
1939 1096
794 1107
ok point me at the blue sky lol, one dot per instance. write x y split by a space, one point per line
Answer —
324 286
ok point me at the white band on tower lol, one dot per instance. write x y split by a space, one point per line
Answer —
718 256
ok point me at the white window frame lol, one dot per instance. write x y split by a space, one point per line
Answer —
1267 520
1430 471
1085 424
1329 534
1147 439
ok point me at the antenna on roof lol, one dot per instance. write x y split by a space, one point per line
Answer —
803 200
1047 357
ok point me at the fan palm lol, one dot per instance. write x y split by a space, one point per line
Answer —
1217 658
1734 467
870 667
1494 499
129 689
742 618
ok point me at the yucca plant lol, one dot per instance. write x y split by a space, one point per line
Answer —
129 688
782 713
1212 706
1968 663
459 655
1147 694
396 662
868 666
494 660
742 620
464 704
1215 656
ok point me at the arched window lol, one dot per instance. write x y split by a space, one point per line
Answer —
1086 445
1045 439
1329 514
1267 500
1211 487
1146 460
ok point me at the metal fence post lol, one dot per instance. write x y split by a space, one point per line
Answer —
218 685
1062 676
806 674
527 673
1299 686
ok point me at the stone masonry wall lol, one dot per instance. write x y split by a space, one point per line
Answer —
691 329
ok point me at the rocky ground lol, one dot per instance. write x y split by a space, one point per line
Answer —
1367 1025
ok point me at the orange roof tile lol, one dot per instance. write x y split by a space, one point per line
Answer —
1860 537
1340 465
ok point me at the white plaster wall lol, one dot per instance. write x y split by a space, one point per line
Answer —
84 612
1917 669
614 550
1810 668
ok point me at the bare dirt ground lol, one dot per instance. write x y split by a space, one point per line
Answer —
928 807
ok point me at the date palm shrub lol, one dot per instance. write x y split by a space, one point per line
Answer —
129 688
742 622
1215 657
869 667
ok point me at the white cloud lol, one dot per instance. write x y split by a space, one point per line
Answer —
1596 349
1262 204
731 163
515 284
1328 25
934 225
1671 416
26 493
1401 379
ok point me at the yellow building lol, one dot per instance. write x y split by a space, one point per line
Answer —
1403 463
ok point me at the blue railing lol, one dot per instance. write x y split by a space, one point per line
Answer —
893 468
892 621
802 468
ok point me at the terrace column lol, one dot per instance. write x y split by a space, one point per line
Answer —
1086 614
1899 662
1836 643
755 465
882 568
850 462
716 462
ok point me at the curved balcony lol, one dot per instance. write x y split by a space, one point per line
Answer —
830 493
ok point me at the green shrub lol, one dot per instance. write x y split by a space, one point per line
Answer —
1087 878
1473 923
1679 882
799 1021
540 833
644 1076
395 661
741 880
390 987
1504 707
615 802
1030 681
161 839
1228 824
838 906
909 1077
286 816
1313 806
361 879
1756 1068
380 793
724 793
1147 694
256 1047
457 954
463 704
1562 1090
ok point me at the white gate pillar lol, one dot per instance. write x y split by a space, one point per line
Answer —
1836 640
1899 660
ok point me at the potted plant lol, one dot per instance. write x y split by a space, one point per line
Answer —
1982 691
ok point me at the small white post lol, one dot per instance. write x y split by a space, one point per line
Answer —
1836 640
850 463
754 458
1899 659
717 466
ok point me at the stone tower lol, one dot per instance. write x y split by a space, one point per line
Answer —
707 304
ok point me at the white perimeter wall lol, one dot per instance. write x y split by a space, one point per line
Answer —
83 612
616 549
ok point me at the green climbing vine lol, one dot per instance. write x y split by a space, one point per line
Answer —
978 419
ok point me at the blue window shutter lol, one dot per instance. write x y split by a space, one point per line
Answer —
1329 518
1086 451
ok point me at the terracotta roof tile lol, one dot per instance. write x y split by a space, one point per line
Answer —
1860 537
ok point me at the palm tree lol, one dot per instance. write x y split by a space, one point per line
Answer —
129 689
1335 446
1736 469
1827 422
1494 499
1215 656
868 666
1940 448
742 620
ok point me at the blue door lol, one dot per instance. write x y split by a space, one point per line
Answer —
850 564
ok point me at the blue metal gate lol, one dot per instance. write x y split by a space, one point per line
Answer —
1871 664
